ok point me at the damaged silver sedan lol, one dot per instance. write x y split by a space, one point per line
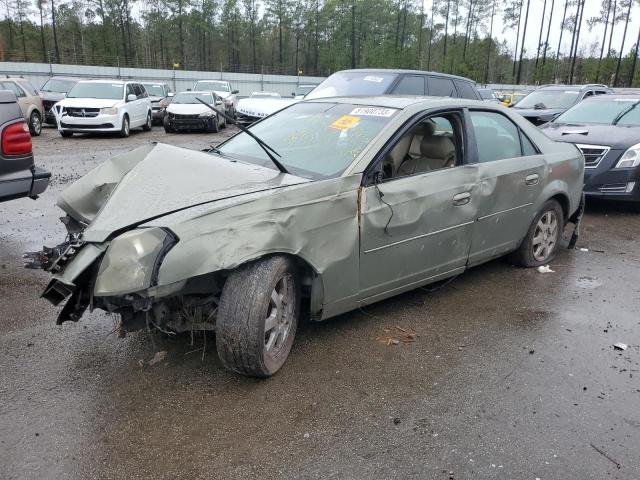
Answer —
326 206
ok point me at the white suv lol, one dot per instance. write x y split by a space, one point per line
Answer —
104 106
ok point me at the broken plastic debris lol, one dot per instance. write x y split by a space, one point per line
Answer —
545 269
620 346
158 357
584 249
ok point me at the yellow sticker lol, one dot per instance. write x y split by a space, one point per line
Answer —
345 122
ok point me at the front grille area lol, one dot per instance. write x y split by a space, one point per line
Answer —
81 112
184 117
593 154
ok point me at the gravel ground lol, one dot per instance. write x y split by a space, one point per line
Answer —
512 374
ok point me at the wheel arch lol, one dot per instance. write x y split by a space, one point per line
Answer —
563 200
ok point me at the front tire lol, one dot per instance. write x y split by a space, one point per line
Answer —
125 129
35 124
66 134
149 123
540 245
258 316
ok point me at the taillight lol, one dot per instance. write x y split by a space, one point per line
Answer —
16 139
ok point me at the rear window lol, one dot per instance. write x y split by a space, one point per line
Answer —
345 84
441 87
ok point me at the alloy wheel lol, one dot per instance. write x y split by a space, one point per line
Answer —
279 316
545 236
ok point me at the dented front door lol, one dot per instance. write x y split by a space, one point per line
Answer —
416 228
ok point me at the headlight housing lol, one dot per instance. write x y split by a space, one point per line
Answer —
207 114
109 111
630 158
132 261
228 102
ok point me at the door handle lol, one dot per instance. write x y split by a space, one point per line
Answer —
532 179
461 198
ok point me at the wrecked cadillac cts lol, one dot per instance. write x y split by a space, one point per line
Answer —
326 206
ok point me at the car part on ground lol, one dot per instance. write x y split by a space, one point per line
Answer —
109 106
29 101
381 81
224 241
547 102
606 129
54 90
160 95
186 113
19 177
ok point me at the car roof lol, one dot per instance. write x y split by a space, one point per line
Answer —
613 96
398 101
205 92
60 77
107 80
579 87
402 70
212 80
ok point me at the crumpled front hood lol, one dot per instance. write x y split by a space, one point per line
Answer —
187 108
616 137
262 107
163 179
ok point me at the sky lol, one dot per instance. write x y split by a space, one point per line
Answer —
591 9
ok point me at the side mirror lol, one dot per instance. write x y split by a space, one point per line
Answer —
235 92
293 94
170 94
131 98
219 102
188 89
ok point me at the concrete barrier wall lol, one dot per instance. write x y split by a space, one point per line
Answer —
39 73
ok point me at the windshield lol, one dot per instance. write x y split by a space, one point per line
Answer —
315 140
346 84
106 91
550 99
603 112
212 85
154 90
56 85
303 90
191 97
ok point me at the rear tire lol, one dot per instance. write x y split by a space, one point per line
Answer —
125 129
147 126
540 245
258 316
35 124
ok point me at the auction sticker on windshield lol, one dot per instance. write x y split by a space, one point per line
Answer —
373 111
373 78
344 122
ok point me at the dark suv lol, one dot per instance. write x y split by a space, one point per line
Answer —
380 81
19 177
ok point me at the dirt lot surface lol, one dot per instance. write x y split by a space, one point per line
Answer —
512 374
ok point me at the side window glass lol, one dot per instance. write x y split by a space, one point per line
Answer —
600 92
441 87
410 85
497 137
465 90
527 147
588 94
14 88
432 144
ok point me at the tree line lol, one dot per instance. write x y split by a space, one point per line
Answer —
317 37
